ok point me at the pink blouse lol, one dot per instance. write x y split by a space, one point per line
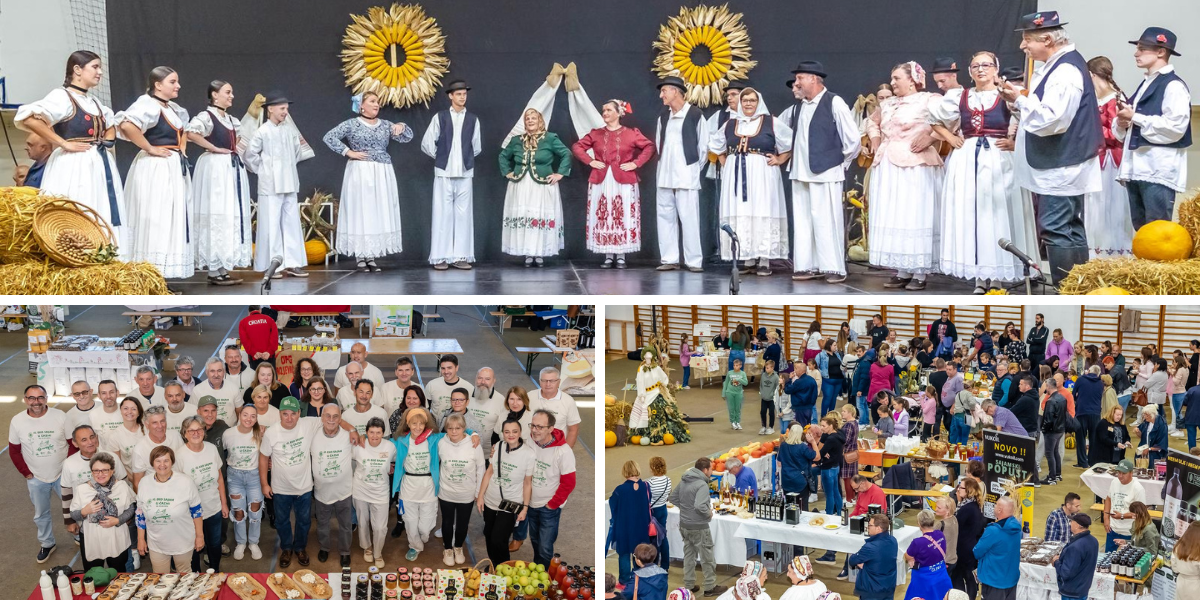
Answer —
898 122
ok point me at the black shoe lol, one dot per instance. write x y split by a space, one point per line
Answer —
915 285
398 529
302 557
695 589
322 555
44 554
896 283
1053 481
345 561
1080 466
829 558
716 590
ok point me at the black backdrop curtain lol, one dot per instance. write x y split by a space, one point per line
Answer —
505 49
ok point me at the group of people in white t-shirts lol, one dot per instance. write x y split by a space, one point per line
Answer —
165 472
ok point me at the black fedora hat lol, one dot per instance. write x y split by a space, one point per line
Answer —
456 85
739 84
276 97
789 83
810 66
673 80
1040 20
944 65
1157 37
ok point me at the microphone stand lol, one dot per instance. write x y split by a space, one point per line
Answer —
735 277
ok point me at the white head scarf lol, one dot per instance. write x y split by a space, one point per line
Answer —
761 110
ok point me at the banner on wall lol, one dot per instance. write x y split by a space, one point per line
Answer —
391 321
1181 504
1008 460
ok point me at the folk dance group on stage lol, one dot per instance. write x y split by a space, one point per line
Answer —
1098 174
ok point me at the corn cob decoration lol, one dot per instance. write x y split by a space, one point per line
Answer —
717 33
398 53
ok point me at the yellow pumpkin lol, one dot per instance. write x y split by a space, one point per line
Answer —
21 190
315 250
1162 240
610 439
635 440
668 439
1111 290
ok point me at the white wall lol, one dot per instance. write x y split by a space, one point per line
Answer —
612 331
1057 317
36 36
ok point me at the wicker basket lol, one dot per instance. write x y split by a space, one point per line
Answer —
936 448
61 215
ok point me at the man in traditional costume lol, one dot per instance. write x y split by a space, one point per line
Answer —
453 141
945 74
1058 138
273 154
681 137
824 141
1157 130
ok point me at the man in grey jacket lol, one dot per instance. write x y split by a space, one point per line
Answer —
695 512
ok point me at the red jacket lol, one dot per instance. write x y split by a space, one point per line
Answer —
614 148
863 501
258 334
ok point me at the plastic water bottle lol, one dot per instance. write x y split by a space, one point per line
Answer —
46 586
64 587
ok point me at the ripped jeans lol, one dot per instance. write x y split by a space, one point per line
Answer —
245 489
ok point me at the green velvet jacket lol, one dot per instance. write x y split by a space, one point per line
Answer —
515 161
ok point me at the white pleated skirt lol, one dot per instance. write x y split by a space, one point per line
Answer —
614 219
904 203
1106 216
532 219
981 205
221 221
80 176
369 214
158 196
759 217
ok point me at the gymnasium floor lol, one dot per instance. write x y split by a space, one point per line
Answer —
471 325
710 438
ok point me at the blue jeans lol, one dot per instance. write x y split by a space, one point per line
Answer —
1110 543
521 531
1176 407
687 375
212 543
284 505
833 490
739 354
39 493
1062 221
783 425
830 388
1149 202
664 551
864 418
1191 431
624 569
959 431
543 531
244 489
1065 597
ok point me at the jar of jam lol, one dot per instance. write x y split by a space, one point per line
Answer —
406 595
404 581
402 571
390 594
390 581
373 570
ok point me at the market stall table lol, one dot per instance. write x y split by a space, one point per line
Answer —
728 552
1100 483
700 370
1040 582
401 346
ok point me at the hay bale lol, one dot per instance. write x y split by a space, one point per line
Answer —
44 277
1189 217
17 206
1138 276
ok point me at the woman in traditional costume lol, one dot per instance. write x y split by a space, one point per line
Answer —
158 185
533 225
1106 213
614 218
981 203
369 217
82 131
751 146
906 181
655 413
221 191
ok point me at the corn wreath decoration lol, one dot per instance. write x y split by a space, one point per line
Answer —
709 35
397 53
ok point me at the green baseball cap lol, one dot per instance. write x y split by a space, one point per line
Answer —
1124 466
289 403
205 401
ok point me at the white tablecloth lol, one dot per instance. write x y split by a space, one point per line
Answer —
728 551
1040 582
1099 483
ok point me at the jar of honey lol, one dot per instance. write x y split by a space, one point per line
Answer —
391 581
